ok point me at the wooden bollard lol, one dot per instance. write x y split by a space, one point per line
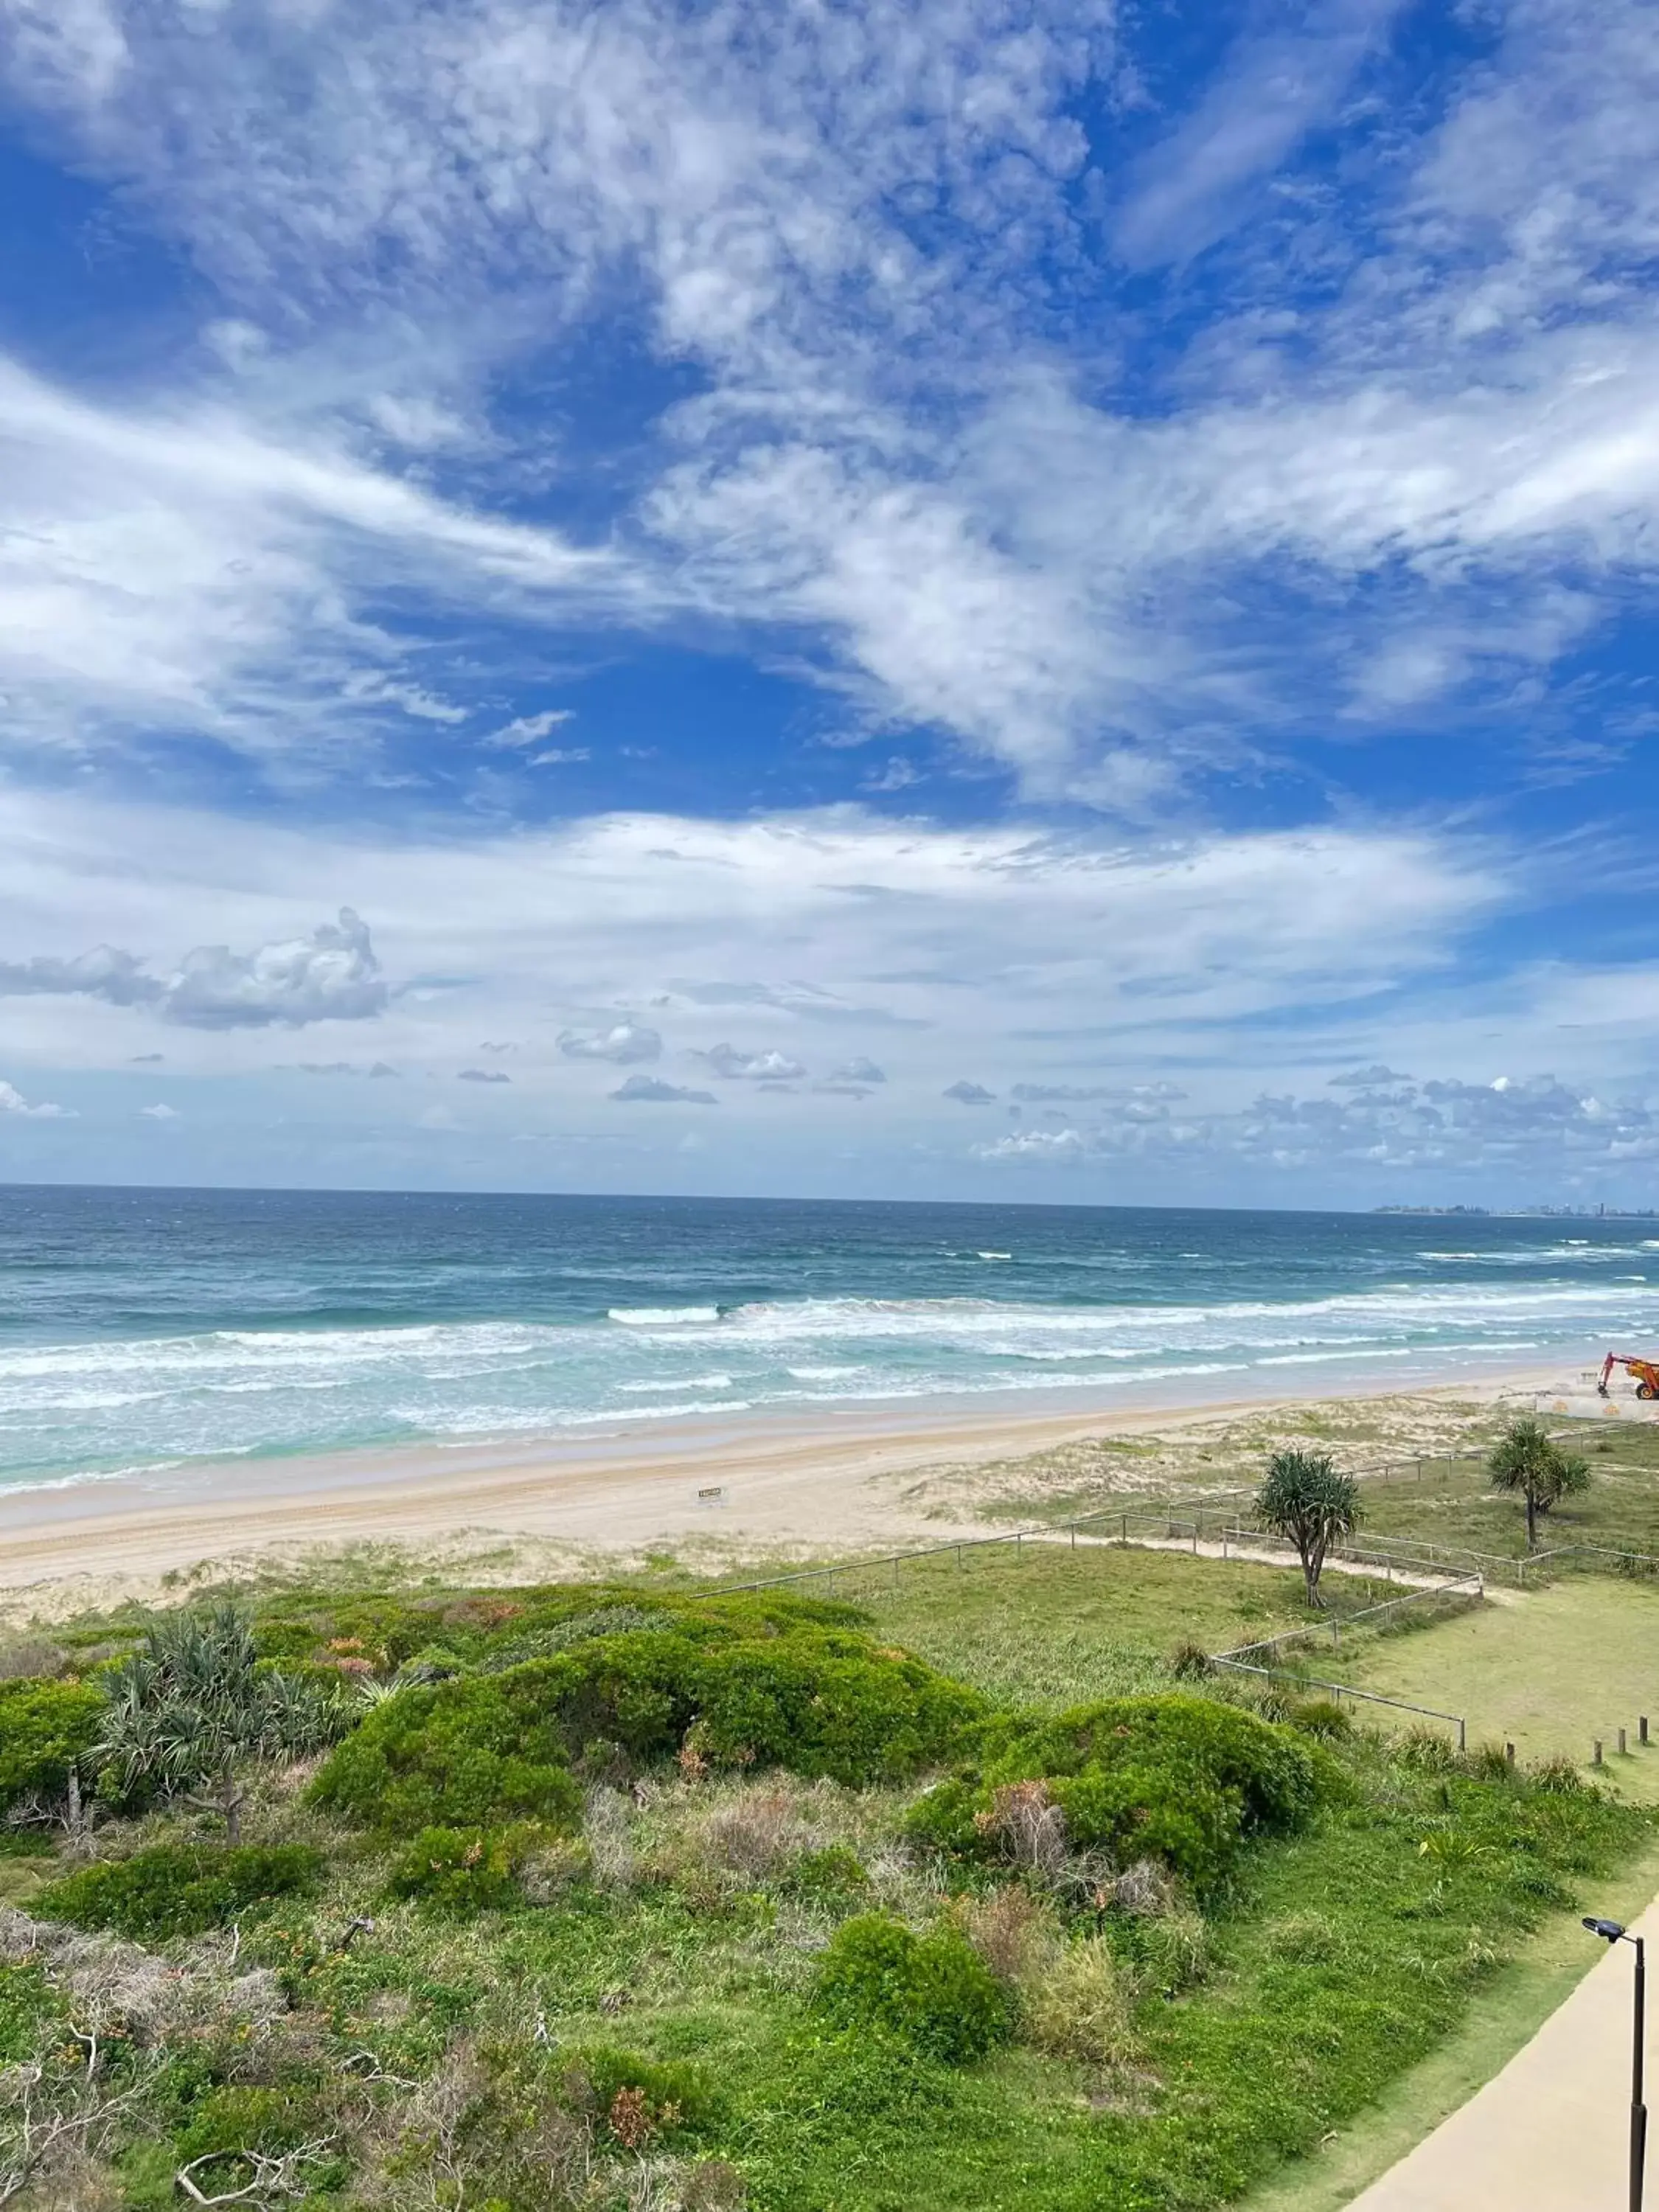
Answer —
1596 1758
1621 1743
1643 1728
1509 1753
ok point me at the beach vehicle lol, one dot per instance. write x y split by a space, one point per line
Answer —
1643 1372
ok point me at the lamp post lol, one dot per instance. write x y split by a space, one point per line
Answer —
1611 1931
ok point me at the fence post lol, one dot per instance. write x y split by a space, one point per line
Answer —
1595 1759
1126 1528
958 1558
1621 1743
1020 1542
895 1569
1643 1728
1509 1754
1462 1736
1075 1535
1194 1535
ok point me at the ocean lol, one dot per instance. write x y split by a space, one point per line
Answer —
144 1329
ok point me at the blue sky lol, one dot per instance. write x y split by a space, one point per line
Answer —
938 598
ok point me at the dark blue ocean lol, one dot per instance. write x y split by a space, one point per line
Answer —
142 1328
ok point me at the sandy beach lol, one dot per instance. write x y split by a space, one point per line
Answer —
840 1480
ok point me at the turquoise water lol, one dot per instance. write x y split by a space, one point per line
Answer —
144 1329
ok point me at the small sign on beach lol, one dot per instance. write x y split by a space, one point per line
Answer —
714 1493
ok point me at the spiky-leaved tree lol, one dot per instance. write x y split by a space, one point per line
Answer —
192 1709
1304 1498
1525 1458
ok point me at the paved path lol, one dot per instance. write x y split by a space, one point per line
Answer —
1551 2133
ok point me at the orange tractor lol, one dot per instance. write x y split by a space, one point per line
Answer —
1643 1372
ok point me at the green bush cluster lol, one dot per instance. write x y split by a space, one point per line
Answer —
737 1691
934 1991
1179 1779
44 1727
460 1870
179 1889
464 1754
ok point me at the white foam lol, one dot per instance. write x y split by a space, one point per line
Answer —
681 1383
661 1316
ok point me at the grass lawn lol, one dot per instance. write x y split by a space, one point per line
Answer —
1501 2017
1051 1627
1455 1503
1547 1671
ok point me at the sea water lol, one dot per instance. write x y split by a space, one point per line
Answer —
140 1330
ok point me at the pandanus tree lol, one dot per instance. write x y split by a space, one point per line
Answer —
1304 1498
192 1709
1525 1459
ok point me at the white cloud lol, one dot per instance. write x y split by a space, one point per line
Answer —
1195 185
529 729
753 1067
646 1090
857 1071
332 975
159 1113
622 1044
884 461
483 1075
970 1094
12 1101
1048 1145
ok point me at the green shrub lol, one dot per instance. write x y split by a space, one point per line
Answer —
581 1628
471 1754
460 1871
934 1990
43 1726
496 1747
827 1875
179 1889
826 1705
1179 1779
1320 1717
627 2093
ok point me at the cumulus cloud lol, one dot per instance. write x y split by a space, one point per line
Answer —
769 1067
648 1090
1051 1145
1535 1125
483 1075
857 1071
331 976
119 978
161 1112
970 1094
12 1101
624 1044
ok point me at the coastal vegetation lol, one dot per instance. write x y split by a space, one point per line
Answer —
629 1895
1305 1499
1526 1460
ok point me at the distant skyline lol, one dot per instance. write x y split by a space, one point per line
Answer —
974 599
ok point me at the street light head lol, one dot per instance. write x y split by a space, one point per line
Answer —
1608 1931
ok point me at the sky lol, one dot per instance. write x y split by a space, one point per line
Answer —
1018 599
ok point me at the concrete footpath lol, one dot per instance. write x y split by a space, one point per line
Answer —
1551 2133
